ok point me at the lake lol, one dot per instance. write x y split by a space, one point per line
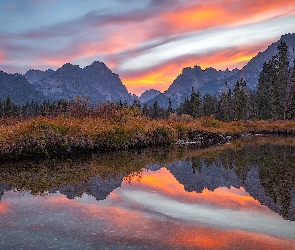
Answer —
235 196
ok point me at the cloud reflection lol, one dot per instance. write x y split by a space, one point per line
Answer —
4 208
155 213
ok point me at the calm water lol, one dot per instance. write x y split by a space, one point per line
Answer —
236 196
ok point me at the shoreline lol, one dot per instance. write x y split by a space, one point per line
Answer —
65 136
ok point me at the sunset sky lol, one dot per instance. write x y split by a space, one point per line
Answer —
146 42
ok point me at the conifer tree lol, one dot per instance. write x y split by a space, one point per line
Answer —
8 108
292 92
252 105
240 100
169 109
155 110
263 92
185 107
208 105
282 80
226 106
145 109
1 109
195 104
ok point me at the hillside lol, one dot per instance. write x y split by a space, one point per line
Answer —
96 81
212 81
18 89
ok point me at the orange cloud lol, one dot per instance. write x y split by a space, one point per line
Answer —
158 78
110 43
117 38
161 77
205 15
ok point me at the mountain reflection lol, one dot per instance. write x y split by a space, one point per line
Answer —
262 166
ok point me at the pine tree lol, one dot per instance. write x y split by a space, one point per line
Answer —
292 92
1 109
208 105
282 80
263 92
145 109
226 106
136 103
8 107
252 105
240 100
196 104
155 110
169 110
185 107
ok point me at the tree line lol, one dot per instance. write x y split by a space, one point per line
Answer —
274 98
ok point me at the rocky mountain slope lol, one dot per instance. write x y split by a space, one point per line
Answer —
212 81
96 81
148 95
18 89
99 83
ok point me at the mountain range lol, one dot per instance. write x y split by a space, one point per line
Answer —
96 81
99 83
18 88
213 81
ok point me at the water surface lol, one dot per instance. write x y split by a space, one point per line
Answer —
236 196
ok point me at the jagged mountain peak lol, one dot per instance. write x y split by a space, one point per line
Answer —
98 68
97 64
148 95
68 67
212 81
210 70
96 81
18 89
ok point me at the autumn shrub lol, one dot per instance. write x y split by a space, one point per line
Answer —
210 122
181 130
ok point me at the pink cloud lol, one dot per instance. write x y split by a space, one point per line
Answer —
115 38
161 76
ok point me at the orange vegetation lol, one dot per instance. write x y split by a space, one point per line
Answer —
116 129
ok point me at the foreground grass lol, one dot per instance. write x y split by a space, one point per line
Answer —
43 136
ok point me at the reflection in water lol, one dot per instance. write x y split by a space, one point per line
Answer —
183 199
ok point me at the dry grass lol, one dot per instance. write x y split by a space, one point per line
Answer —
123 129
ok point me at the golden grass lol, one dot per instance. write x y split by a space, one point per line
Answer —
64 134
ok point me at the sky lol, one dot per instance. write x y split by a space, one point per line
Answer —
147 42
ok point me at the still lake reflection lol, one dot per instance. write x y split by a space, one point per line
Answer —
236 196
